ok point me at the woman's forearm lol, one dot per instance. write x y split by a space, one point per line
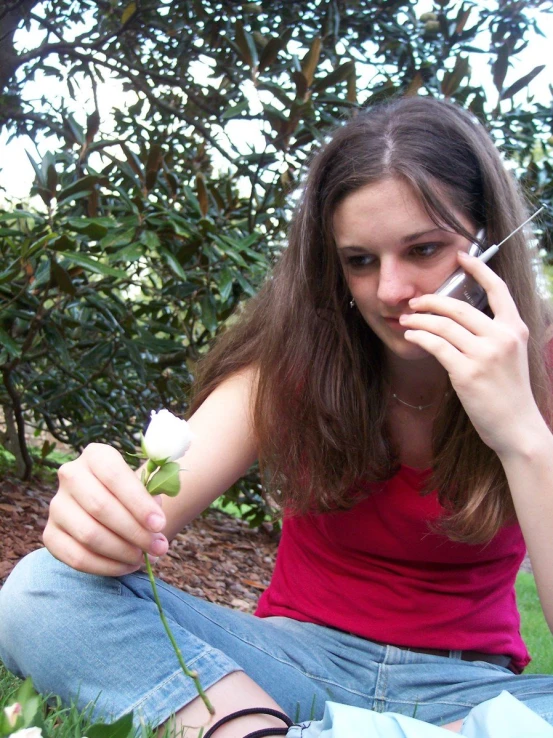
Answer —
529 470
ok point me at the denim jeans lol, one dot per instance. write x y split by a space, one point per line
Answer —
99 639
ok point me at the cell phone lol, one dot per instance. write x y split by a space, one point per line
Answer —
461 285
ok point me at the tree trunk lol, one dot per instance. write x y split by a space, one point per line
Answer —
11 15
11 441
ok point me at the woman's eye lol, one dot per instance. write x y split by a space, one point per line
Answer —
426 249
360 261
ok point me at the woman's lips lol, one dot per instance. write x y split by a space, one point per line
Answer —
393 323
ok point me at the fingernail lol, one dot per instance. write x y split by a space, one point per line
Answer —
463 255
159 545
413 301
155 522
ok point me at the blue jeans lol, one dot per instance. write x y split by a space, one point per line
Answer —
99 639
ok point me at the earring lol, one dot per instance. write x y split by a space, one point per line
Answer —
352 302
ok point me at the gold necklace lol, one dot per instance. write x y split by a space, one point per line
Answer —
417 407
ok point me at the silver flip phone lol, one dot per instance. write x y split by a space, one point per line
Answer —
464 287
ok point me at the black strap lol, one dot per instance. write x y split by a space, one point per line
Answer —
254 711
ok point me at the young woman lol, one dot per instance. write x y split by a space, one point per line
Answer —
405 435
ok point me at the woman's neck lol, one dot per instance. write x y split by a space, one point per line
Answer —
418 390
419 382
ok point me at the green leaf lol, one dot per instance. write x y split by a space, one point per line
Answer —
28 249
92 265
174 264
246 286
74 130
246 45
150 239
21 215
209 312
47 448
62 243
500 66
35 166
166 481
270 53
122 728
301 84
153 163
335 77
9 273
452 80
129 253
128 13
85 184
134 161
29 700
95 228
522 82
203 197
235 110
224 283
62 279
117 238
52 179
96 356
311 60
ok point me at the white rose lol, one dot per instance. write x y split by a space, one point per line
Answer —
12 712
167 437
27 733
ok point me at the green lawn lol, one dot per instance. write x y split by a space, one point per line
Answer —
534 628
549 275
67 723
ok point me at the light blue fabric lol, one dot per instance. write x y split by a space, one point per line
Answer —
505 717
344 721
501 717
100 639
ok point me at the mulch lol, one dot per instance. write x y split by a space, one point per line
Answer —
216 557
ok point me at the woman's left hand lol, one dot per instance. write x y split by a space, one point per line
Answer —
486 358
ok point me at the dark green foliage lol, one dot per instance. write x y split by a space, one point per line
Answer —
151 236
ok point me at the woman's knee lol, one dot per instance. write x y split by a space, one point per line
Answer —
40 597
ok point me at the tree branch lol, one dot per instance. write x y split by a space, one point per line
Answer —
9 59
62 46
45 122
20 422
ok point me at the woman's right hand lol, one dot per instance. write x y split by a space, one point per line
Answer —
102 519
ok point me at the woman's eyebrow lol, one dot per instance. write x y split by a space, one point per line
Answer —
354 249
420 234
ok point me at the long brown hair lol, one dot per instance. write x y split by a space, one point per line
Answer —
320 407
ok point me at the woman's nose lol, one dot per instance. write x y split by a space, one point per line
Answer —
395 284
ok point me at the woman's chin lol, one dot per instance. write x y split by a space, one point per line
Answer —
407 351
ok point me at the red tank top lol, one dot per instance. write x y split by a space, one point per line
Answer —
377 571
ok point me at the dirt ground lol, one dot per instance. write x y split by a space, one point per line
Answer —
217 557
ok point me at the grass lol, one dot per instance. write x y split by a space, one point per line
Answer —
69 723
40 470
548 271
534 629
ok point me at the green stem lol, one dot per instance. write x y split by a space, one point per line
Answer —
146 475
192 674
